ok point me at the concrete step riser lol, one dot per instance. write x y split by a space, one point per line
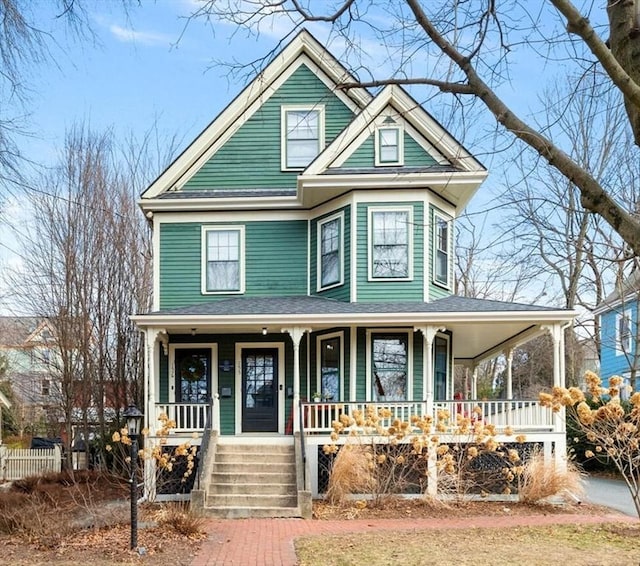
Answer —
250 478
255 448
251 501
255 469
254 458
250 513
252 489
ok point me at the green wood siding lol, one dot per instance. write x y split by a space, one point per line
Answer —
341 292
437 291
391 290
364 156
361 371
276 261
414 154
418 365
251 157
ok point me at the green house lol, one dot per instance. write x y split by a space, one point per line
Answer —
303 245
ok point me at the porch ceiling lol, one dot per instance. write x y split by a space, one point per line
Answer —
481 327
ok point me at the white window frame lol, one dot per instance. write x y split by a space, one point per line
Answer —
448 380
340 218
318 384
241 258
624 348
369 357
437 218
378 146
370 212
284 109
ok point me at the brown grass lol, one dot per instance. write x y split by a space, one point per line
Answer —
181 518
350 473
541 480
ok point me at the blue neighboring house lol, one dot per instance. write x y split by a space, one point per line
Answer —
619 336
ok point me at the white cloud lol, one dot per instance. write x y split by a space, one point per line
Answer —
149 38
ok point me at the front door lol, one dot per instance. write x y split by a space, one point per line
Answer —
259 390
193 375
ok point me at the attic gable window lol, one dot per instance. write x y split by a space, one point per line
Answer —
389 146
302 136
330 251
390 244
623 333
223 259
441 256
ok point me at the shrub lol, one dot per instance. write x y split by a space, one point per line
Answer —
540 480
181 518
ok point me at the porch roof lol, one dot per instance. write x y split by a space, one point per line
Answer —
481 327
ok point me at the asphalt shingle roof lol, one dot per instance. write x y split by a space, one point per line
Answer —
297 305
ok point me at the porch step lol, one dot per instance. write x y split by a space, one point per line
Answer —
252 480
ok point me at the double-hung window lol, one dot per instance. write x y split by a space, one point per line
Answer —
330 251
302 136
330 351
389 146
441 250
223 262
389 366
390 243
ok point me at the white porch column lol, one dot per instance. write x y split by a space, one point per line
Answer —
153 337
428 333
557 335
474 382
296 334
509 392
509 355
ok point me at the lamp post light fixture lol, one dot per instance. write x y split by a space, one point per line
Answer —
134 420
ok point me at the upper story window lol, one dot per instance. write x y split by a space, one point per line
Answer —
390 243
302 135
389 366
330 251
623 332
441 256
389 146
223 259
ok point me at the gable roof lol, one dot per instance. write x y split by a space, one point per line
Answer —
303 49
627 290
455 174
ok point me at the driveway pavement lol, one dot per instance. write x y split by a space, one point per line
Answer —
610 493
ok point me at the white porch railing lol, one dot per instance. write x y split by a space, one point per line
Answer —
18 463
519 415
188 417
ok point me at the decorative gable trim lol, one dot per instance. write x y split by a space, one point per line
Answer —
303 49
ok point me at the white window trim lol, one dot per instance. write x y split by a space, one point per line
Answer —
436 217
203 258
378 160
319 339
283 131
340 217
213 348
626 349
369 358
280 385
370 212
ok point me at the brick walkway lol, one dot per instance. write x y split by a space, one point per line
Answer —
269 542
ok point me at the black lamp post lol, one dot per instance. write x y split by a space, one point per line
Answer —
134 420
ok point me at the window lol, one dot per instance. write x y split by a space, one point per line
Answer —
223 260
440 367
390 244
46 388
623 333
330 363
330 252
389 366
302 136
389 146
441 253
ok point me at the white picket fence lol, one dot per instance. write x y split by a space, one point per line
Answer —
18 463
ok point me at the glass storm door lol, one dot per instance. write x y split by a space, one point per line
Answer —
193 375
260 390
